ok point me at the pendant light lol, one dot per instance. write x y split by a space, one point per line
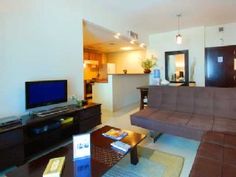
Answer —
178 36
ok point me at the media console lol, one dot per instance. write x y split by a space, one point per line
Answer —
36 133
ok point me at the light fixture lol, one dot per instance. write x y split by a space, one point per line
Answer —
126 48
142 45
178 36
117 36
132 41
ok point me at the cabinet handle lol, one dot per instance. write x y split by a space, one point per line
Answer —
234 77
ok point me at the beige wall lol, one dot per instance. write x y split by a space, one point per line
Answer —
127 60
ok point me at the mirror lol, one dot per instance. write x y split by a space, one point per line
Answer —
176 67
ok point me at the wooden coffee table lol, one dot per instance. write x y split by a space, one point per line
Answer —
103 156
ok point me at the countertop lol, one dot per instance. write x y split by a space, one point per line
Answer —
129 74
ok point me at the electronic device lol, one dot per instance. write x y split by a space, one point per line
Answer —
9 121
52 111
45 128
42 93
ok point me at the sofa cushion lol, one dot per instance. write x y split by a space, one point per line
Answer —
230 156
202 122
213 137
144 112
168 98
225 102
203 167
161 115
185 99
216 156
211 151
229 170
179 118
154 96
224 124
203 101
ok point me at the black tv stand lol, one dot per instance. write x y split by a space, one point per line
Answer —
36 134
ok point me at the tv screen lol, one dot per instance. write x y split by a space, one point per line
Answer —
42 93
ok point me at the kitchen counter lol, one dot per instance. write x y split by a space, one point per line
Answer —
120 90
128 74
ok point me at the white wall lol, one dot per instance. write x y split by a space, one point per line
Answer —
213 36
125 90
42 39
120 91
130 60
103 93
193 40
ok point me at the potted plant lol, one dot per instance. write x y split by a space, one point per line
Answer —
148 63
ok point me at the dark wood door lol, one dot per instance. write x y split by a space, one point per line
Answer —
220 66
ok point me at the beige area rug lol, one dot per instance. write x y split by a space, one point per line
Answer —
152 163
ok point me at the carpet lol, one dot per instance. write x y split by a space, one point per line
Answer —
152 163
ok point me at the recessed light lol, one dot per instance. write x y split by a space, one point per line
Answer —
126 48
132 42
117 36
142 45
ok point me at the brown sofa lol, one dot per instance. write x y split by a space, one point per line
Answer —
188 111
216 156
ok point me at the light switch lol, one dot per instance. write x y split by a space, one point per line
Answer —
220 59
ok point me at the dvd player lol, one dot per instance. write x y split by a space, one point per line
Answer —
8 121
52 111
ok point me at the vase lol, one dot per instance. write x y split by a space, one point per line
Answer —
147 71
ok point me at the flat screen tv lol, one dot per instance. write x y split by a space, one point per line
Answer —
42 93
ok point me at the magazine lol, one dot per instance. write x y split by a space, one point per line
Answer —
115 134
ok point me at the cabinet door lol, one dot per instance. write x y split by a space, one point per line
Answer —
220 66
86 56
11 148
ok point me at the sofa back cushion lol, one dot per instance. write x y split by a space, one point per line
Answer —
162 97
225 102
218 102
203 100
169 98
154 96
185 99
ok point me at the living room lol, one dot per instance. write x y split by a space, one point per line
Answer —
43 40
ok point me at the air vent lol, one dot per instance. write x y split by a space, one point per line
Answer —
133 35
221 29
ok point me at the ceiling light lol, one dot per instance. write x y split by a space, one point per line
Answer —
117 36
178 39
142 45
126 48
132 42
178 36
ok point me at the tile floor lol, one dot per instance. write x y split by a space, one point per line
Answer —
172 144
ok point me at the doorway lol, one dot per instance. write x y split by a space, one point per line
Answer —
220 66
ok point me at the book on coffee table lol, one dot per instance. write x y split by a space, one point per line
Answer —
54 167
115 134
119 145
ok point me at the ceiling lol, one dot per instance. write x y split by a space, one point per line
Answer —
155 16
100 39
